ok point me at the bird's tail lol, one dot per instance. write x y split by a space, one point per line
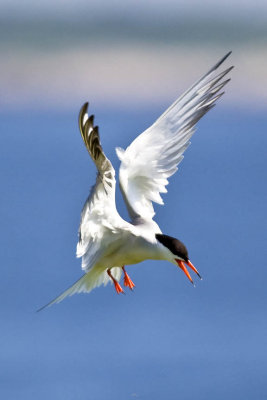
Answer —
86 283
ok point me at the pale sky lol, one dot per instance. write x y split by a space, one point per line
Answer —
241 8
50 64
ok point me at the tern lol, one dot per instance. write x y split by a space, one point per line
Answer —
107 243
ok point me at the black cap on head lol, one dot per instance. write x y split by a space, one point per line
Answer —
174 245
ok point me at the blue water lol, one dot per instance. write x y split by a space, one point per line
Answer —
167 340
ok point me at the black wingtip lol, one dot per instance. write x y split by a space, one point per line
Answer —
226 56
222 60
91 119
82 112
43 307
84 108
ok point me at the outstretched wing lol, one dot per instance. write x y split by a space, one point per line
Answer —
154 155
99 212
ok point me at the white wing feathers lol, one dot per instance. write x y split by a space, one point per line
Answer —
99 211
154 155
98 219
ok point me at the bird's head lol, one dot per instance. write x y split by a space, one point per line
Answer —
178 252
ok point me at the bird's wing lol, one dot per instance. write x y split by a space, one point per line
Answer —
99 214
155 154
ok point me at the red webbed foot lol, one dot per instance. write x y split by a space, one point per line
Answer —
127 280
117 286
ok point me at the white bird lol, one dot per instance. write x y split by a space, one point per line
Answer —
106 241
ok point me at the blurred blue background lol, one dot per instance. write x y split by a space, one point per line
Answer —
166 339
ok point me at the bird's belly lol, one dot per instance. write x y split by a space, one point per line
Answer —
132 252
134 257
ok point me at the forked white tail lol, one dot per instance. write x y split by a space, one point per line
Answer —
86 283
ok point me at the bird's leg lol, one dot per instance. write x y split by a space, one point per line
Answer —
127 280
116 283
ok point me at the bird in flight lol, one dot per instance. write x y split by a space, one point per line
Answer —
107 243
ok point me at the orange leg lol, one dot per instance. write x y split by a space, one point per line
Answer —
116 283
127 280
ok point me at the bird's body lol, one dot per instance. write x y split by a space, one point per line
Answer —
128 245
107 242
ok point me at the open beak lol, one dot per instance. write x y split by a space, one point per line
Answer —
181 264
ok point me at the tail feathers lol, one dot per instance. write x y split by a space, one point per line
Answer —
86 283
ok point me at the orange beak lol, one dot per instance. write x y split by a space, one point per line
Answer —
181 264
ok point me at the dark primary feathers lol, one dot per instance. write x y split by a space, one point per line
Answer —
91 140
90 135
